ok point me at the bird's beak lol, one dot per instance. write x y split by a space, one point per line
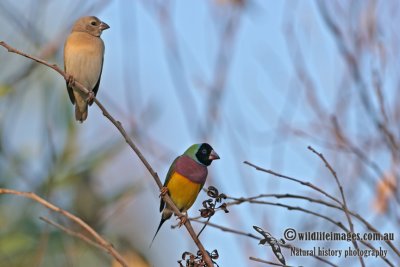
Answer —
104 26
213 155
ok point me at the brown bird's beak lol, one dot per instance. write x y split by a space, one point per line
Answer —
213 155
104 26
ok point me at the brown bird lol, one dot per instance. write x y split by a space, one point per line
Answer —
83 62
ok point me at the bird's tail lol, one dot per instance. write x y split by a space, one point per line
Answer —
158 229
167 213
81 112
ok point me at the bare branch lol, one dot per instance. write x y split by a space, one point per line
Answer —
344 204
369 226
238 232
108 247
308 184
128 140
72 233
307 211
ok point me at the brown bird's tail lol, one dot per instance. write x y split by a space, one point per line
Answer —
81 112
167 213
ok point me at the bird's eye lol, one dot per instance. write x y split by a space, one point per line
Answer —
93 23
204 151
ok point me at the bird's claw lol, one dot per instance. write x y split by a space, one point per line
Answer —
183 218
90 97
163 191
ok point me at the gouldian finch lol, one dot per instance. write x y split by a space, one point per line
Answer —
83 61
186 178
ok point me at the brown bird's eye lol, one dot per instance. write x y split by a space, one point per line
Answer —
93 23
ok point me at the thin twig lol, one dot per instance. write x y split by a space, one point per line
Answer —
208 219
225 229
316 214
238 232
101 241
204 226
324 193
128 140
73 233
308 184
344 204
313 200
240 200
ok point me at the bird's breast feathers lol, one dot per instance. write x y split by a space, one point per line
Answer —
83 58
183 191
192 170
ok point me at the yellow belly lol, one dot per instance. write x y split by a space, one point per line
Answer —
182 191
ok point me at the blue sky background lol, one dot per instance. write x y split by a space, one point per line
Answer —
264 101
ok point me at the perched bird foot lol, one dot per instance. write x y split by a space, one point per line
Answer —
183 218
90 97
163 191
70 80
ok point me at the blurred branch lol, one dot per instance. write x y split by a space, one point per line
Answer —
100 241
177 70
224 57
19 22
72 233
344 141
344 204
307 82
350 58
128 140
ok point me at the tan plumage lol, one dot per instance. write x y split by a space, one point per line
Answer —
83 60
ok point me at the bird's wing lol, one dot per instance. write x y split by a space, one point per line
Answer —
96 87
70 90
167 178
71 94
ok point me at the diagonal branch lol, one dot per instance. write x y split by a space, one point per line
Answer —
308 184
72 233
344 204
128 140
108 247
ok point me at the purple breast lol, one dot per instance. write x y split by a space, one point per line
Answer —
192 170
